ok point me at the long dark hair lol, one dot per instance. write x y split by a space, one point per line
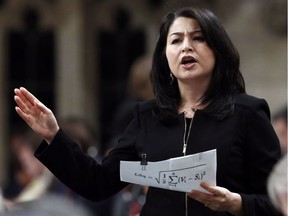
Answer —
226 80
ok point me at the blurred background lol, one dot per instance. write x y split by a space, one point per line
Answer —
76 57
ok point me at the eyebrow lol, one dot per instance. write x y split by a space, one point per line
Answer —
180 33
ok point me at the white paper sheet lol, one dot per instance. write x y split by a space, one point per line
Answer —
179 174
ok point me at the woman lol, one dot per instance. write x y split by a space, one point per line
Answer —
200 104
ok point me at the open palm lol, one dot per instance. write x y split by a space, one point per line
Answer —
35 114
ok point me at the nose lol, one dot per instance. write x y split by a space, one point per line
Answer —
187 49
187 46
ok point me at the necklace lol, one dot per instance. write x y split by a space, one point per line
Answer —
187 111
186 135
185 142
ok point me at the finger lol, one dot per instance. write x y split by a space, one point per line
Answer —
25 101
212 189
42 108
28 95
205 186
20 112
199 196
23 115
21 105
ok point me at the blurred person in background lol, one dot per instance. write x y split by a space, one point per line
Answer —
30 180
139 88
49 205
278 179
130 200
2 207
16 177
279 122
277 185
82 133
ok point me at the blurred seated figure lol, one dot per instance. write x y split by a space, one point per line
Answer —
277 186
31 177
31 180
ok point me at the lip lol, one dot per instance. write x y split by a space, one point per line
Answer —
188 66
191 61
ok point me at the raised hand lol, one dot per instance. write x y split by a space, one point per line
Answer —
35 114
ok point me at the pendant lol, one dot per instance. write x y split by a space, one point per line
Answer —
184 148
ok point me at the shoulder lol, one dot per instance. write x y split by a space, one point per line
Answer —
145 106
143 110
252 103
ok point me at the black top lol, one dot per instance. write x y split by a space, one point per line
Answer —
247 149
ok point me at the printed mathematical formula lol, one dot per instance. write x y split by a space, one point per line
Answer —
174 177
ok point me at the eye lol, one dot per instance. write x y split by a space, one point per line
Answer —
175 41
199 38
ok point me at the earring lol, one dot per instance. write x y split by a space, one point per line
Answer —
171 78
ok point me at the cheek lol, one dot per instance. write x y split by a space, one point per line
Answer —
170 55
211 57
167 53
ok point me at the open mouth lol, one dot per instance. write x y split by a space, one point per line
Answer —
188 60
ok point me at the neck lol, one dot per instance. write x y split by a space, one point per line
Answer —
189 105
192 91
191 98
190 102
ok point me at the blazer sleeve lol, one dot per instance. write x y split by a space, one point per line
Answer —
81 173
262 151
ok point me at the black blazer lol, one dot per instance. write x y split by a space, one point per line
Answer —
247 149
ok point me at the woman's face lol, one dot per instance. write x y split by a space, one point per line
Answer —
189 56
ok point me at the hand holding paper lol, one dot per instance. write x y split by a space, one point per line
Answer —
179 174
